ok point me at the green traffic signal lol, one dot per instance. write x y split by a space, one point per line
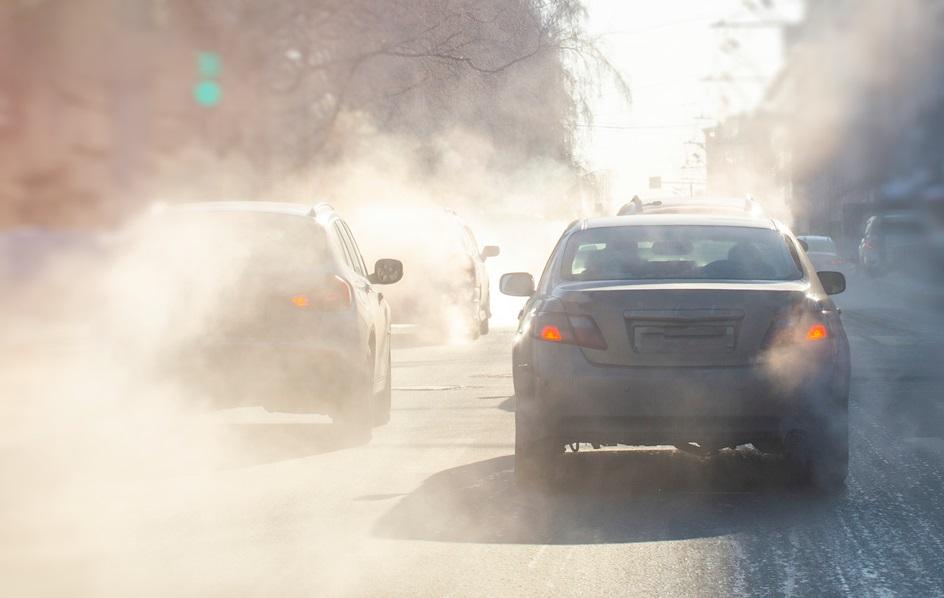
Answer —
208 93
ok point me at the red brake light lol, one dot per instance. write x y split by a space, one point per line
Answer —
817 332
551 333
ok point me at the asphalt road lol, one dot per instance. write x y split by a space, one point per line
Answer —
249 503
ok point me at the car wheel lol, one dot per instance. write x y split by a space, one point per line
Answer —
474 323
536 451
382 401
355 415
830 463
821 460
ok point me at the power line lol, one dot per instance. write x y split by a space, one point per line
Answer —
637 127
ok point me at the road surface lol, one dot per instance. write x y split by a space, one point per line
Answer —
256 504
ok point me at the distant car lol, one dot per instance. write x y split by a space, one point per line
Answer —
39 263
681 329
447 289
27 253
823 253
893 240
263 303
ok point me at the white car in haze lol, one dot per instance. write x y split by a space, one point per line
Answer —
262 303
823 252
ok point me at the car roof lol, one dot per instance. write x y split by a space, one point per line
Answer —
700 219
269 207
900 216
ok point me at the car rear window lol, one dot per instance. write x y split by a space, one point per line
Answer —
270 240
820 244
893 226
678 252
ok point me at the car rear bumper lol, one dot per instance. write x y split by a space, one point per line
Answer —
295 376
653 405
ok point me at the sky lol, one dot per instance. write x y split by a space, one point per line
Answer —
672 57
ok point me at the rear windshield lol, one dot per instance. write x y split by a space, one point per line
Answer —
679 252
820 244
269 240
901 227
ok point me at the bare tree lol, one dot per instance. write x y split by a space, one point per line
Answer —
513 71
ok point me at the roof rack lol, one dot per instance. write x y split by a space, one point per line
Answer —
637 206
320 208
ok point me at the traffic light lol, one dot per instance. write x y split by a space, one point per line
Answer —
208 92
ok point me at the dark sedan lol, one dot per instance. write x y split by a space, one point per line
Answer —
699 331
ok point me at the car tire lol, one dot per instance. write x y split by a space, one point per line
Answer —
536 451
820 460
382 401
830 463
355 415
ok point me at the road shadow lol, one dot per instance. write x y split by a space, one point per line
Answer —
606 497
251 444
508 404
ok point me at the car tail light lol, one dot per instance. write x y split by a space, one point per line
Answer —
797 327
301 301
556 327
334 295
552 333
817 332
586 332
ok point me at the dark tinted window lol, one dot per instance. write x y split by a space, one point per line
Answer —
678 252
359 264
901 227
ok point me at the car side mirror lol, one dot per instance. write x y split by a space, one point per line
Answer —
804 244
386 271
833 282
490 251
517 284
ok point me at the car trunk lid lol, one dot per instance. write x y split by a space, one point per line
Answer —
694 324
